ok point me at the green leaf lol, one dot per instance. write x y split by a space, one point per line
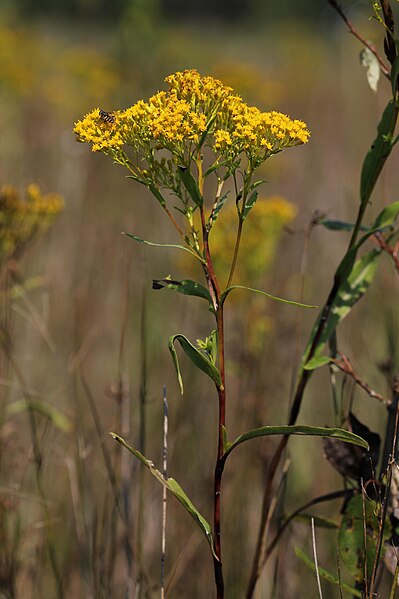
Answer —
350 291
338 225
57 418
269 295
164 245
379 152
309 431
174 487
186 287
360 516
157 194
317 362
386 218
197 357
325 573
249 204
215 212
191 185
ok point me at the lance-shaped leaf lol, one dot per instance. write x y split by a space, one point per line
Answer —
57 418
325 573
191 185
308 431
157 194
174 487
338 225
351 290
249 204
186 287
217 208
317 362
386 218
196 356
269 295
379 151
164 245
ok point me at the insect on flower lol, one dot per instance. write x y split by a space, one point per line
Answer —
107 117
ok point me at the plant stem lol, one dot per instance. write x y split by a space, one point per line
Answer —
219 462
235 255
214 290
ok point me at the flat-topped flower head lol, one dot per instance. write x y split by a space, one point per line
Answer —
194 112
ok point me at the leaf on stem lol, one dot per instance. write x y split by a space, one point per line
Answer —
196 356
325 573
379 151
174 487
157 194
186 287
165 245
249 204
317 362
269 295
191 185
352 289
309 431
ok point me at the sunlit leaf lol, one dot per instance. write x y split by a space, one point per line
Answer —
352 289
249 204
325 573
309 431
379 151
269 295
164 245
174 487
317 362
191 185
157 194
186 287
196 356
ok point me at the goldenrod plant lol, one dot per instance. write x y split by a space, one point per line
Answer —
197 147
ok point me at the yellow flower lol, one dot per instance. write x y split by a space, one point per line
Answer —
22 217
195 111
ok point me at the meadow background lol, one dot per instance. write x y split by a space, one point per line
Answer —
90 336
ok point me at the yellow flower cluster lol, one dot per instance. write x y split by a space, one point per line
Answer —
193 112
104 135
22 217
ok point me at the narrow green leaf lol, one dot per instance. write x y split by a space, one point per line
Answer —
249 204
269 295
352 289
57 418
157 194
215 212
325 573
309 431
197 357
317 362
174 487
191 185
379 151
186 287
386 218
164 245
338 225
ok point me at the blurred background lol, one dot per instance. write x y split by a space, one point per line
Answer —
85 336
